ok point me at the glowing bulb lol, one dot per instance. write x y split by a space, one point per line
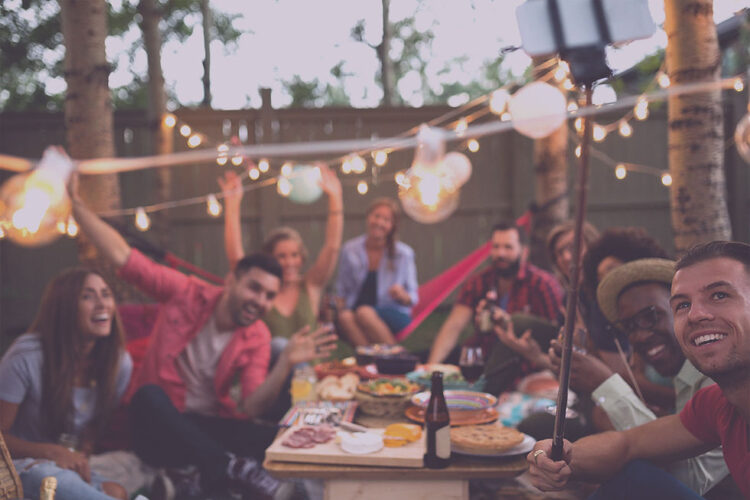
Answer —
538 109
578 124
567 84
461 127
641 110
221 160
578 151
620 171
400 178
380 158
142 221
237 160
505 117
599 133
625 129
283 186
572 106
473 145
304 182
194 141
286 169
222 148
253 173
2 232
666 179
185 130
739 86
499 100
213 207
32 203
560 74
72 228
359 165
346 166
362 187
263 165
663 80
62 227
170 120
564 65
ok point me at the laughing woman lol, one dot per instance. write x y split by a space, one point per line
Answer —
60 383
377 279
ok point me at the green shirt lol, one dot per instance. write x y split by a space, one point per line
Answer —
302 315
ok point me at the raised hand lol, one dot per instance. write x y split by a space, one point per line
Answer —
329 181
587 372
231 186
306 345
546 474
525 345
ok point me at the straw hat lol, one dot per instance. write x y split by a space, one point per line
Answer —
617 280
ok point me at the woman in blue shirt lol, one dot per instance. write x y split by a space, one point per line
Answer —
377 279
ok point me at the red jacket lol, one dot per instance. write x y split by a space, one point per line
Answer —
185 305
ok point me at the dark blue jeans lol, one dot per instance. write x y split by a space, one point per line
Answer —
642 480
164 437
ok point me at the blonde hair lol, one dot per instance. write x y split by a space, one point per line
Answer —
282 234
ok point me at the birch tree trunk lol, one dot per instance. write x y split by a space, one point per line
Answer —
207 22
386 65
696 136
162 136
88 112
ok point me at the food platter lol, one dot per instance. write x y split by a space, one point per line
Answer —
458 400
452 379
485 416
523 447
389 387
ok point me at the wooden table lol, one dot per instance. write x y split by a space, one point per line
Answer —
366 482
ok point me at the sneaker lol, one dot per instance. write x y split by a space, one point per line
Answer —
248 473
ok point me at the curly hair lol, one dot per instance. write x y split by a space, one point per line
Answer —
623 243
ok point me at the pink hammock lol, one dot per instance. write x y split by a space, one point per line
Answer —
432 293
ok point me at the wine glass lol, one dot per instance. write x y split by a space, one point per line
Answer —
471 363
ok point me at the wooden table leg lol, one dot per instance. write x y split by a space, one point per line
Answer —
378 489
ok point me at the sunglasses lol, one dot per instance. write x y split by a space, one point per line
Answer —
645 319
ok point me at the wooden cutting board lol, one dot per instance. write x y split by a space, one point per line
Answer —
411 455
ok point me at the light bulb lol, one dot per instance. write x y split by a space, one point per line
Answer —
578 151
666 179
572 106
499 101
458 166
739 86
253 173
429 192
461 127
213 207
538 109
742 137
170 120
221 160
400 178
359 165
263 165
33 203
286 169
72 227
567 84
620 171
185 130
283 186
641 110
346 166
237 160
222 148
663 80
578 124
194 141
2 232
560 74
362 187
473 145
599 133
505 117
380 158
625 129
142 220
304 184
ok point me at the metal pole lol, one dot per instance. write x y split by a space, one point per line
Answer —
572 302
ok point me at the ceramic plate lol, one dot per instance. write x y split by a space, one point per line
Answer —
521 448
458 400
452 380
457 417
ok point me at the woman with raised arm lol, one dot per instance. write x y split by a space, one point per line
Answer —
298 301
377 279
60 383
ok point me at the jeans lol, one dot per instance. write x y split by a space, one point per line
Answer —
70 486
395 319
164 437
643 481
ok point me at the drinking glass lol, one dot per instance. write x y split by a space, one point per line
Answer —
471 363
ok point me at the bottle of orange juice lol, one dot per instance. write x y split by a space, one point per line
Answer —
303 384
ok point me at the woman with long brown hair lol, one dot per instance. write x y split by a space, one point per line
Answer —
60 382
377 279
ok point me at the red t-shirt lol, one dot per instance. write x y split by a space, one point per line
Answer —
714 420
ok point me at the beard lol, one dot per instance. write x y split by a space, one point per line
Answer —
510 270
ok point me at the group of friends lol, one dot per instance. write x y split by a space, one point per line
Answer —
652 337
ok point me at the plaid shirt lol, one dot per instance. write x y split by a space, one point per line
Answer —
533 291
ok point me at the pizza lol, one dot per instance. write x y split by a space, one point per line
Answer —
485 439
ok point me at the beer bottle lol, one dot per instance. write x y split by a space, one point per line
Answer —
437 426
47 488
